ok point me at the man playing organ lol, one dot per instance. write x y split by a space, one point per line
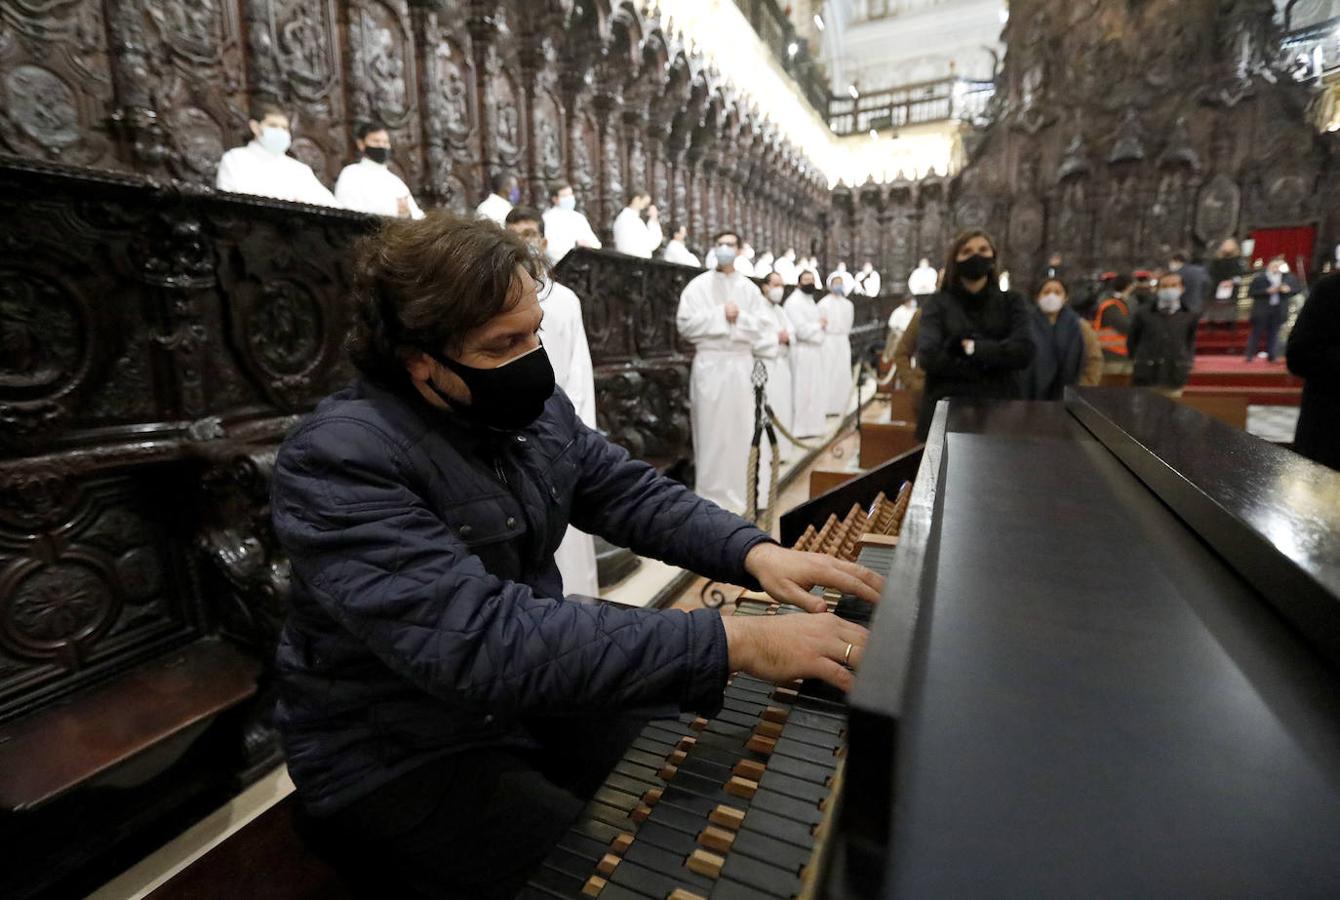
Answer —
446 711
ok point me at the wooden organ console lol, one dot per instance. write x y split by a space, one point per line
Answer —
1104 663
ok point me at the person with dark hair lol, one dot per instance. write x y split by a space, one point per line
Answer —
1112 320
839 314
1314 355
446 710
1196 278
369 185
726 319
1068 352
776 358
973 338
564 337
505 192
1227 272
676 251
564 226
1162 341
1271 292
632 235
264 168
809 329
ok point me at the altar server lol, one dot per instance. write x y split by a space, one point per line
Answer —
369 185
785 266
564 226
676 252
839 313
726 319
924 280
807 358
634 236
777 360
506 193
564 337
263 167
868 281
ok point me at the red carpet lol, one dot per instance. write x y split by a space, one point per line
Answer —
1263 383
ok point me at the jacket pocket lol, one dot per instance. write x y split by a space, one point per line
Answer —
486 520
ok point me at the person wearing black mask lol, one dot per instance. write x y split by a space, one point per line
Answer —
810 330
974 338
369 185
446 711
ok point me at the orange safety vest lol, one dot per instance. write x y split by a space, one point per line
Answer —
1112 341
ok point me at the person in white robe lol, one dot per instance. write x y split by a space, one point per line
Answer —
868 282
264 168
564 226
839 313
676 252
505 193
744 263
924 281
725 317
369 185
765 265
840 270
564 336
634 236
807 358
777 360
786 267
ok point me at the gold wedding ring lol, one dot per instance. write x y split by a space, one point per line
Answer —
846 657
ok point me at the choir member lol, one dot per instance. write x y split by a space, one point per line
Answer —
839 314
446 712
631 234
676 252
868 281
786 267
726 319
777 361
564 226
924 279
564 337
505 193
264 168
369 185
807 357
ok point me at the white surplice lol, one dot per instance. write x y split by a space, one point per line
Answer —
254 170
371 187
564 338
676 252
776 358
494 208
837 352
807 365
564 229
634 236
721 393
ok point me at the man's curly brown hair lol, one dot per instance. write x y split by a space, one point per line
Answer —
426 284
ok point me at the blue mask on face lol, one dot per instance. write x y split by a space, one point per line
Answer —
514 195
725 256
568 203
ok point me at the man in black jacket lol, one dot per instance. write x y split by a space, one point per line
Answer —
1314 355
1271 292
1163 339
446 712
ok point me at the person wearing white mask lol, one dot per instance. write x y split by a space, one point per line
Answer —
839 313
1068 352
924 281
1163 339
676 252
786 267
807 357
632 235
504 194
840 270
369 185
263 167
726 319
564 226
868 281
777 360
564 336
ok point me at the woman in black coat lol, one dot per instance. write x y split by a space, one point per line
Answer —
1314 355
974 338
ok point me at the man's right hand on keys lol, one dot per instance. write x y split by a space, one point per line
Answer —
784 648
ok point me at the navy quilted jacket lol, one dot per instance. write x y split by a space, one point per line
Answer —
427 613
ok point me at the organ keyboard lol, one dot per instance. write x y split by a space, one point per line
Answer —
1104 663
734 806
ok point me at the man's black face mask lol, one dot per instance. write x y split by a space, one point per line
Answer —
508 397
